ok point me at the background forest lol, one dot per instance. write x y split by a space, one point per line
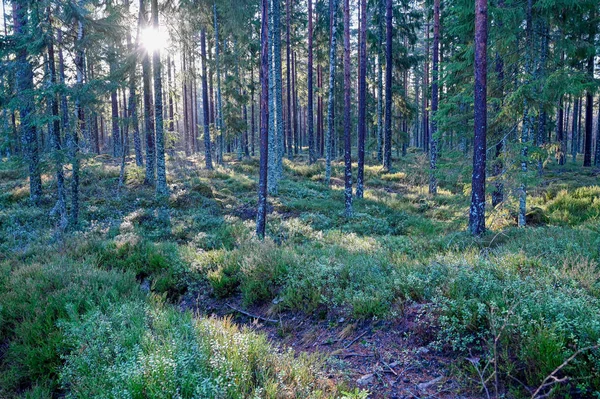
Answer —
300 198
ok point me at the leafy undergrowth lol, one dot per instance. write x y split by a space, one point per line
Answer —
74 321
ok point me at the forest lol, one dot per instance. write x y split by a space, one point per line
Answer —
282 199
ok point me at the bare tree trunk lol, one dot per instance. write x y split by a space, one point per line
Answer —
347 107
434 99
362 98
161 169
205 105
261 215
148 110
387 144
333 6
477 211
312 156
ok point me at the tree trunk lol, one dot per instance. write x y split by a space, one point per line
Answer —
362 98
61 204
148 109
205 104
24 90
387 153
289 83
347 105
434 99
261 214
219 107
333 6
589 117
311 140
161 169
477 211
380 52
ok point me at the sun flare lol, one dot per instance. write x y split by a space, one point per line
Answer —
153 39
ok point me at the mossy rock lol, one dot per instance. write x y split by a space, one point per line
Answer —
536 217
203 189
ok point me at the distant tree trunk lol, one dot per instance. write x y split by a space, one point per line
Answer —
148 109
171 104
252 112
589 117
61 204
426 93
347 107
575 129
79 127
295 105
477 211
311 140
133 115
24 90
278 88
161 170
289 83
205 104
434 99
597 154
498 166
261 214
362 98
380 31
333 6
219 110
527 118
387 153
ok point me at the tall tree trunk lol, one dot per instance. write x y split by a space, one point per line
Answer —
205 104
148 109
589 115
347 107
289 82
261 214
252 112
597 154
74 142
333 6
477 211
219 107
380 51
434 99
61 204
170 63
161 169
24 90
387 152
575 129
362 99
311 140
295 105
278 87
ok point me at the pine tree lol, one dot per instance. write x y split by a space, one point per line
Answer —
333 5
362 98
477 211
387 144
261 214
347 107
433 152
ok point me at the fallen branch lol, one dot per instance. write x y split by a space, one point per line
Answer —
551 379
356 339
254 316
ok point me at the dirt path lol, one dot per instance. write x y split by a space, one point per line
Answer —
388 358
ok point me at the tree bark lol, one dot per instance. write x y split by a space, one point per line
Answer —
477 211
261 214
311 140
205 104
333 6
387 153
347 107
148 110
434 99
362 98
161 169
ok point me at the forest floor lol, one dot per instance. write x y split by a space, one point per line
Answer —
396 302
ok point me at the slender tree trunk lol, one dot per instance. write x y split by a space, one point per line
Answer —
252 112
278 88
362 99
261 216
61 204
289 83
380 52
161 169
477 211
148 110
575 129
589 117
205 104
311 140
333 6
24 90
74 142
387 153
434 99
597 154
171 104
219 110
295 105
347 107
